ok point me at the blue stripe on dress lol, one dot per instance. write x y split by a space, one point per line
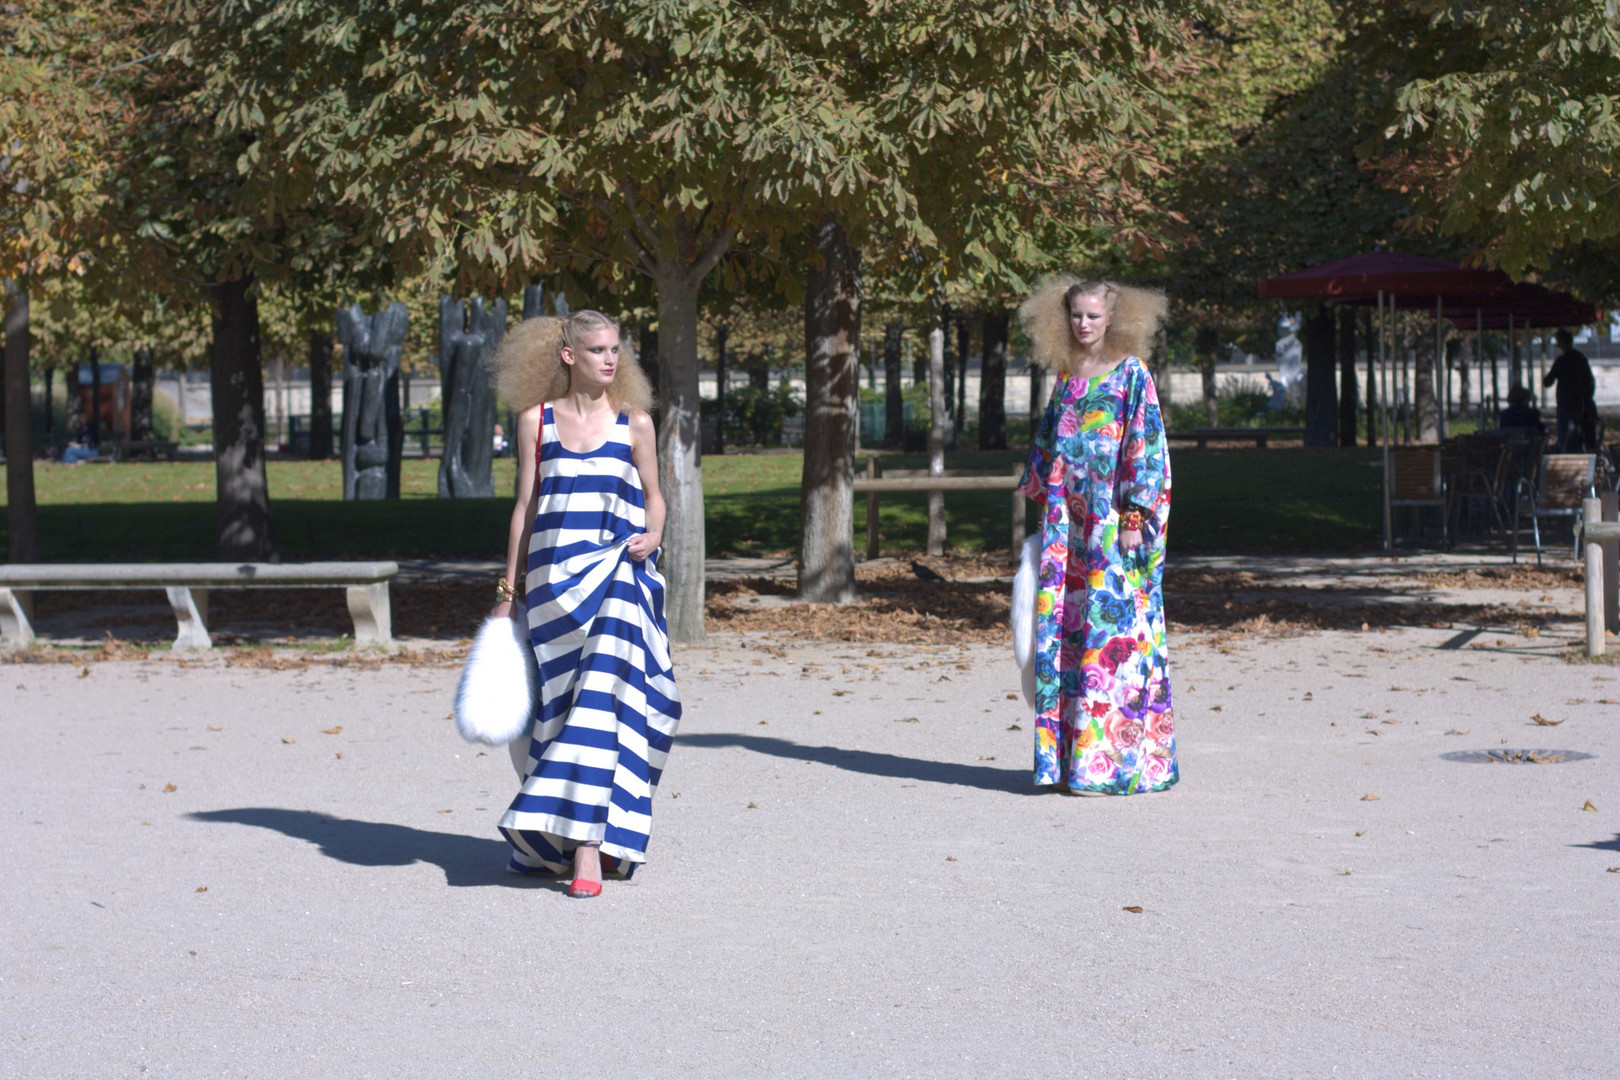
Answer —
609 705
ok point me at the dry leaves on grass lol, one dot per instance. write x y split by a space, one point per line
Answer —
1542 721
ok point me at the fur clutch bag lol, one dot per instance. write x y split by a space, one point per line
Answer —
495 701
1025 584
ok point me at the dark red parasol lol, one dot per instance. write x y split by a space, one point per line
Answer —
1363 277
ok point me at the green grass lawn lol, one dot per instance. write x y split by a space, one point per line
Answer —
1225 500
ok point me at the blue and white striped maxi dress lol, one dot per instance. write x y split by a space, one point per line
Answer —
608 702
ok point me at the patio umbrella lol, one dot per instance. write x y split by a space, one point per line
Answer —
1363 277
1382 276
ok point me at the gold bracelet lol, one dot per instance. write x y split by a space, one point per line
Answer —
504 591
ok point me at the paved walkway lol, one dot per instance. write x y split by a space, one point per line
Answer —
216 871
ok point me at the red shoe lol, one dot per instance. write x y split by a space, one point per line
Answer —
581 888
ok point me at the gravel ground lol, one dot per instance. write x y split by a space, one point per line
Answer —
217 871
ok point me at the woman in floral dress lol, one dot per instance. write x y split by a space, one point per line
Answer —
1100 469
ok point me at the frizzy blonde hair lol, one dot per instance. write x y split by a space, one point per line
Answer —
528 369
1134 318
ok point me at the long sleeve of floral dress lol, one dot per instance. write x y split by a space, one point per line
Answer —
1103 708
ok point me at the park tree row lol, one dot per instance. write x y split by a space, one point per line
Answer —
688 153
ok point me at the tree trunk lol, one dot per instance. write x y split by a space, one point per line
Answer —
894 401
1425 404
1321 381
653 364
1037 397
142 378
1369 337
936 423
993 382
21 531
95 396
242 510
50 405
721 374
949 372
1347 378
964 341
680 455
73 410
320 395
832 324
1207 341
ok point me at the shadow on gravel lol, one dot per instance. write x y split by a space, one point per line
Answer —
1602 845
467 861
989 778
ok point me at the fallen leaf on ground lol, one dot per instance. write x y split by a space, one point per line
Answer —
910 720
288 741
1614 869
169 789
84 673
1214 708
1361 833
753 806
1544 722
1588 805
1344 873
1369 798
1134 909
1012 697
340 755
201 888
950 858
1457 731
211 727
1607 701
333 730
1015 727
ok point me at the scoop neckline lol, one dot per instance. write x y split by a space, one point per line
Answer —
552 420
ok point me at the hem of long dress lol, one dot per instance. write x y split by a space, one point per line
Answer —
526 859
1111 788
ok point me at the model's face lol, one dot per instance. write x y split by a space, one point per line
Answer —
594 360
1088 318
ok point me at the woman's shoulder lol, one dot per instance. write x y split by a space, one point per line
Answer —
640 423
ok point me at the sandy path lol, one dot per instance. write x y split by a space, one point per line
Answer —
834 890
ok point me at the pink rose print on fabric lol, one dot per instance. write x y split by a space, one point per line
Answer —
1116 652
1097 767
1123 730
1096 679
1155 770
1068 424
1160 727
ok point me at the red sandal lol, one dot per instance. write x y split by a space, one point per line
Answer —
581 888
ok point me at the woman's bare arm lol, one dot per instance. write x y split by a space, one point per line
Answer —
644 452
523 508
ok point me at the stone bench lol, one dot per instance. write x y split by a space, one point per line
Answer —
187 586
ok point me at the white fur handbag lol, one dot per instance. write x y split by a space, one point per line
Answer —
495 702
1025 585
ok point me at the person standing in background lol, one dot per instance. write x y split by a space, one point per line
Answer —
1576 396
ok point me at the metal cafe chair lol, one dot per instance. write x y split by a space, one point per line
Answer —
1417 480
1561 482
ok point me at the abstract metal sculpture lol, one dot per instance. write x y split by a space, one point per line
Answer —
373 430
468 336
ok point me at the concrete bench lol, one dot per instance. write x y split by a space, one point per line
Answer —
1259 435
187 586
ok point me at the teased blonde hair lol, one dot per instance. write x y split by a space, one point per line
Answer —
527 369
1134 318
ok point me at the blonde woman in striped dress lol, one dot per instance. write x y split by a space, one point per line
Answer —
584 537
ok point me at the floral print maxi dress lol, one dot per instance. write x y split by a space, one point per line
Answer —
1102 678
